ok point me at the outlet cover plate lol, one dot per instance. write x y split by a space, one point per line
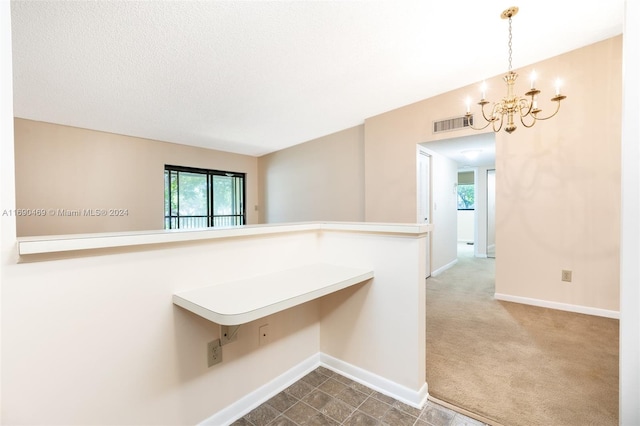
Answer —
214 352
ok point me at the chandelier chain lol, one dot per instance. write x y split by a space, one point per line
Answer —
510 49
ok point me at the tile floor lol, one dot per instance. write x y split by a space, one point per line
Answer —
323 397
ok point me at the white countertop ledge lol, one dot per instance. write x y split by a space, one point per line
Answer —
64 243
242 301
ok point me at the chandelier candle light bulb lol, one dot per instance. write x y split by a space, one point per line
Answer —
533 79
513 105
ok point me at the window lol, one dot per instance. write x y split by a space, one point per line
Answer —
466 196
199 198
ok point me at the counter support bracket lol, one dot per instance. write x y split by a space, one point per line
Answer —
228 333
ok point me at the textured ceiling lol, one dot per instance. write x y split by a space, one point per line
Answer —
253 77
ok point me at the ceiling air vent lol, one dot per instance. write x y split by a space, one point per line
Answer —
454 123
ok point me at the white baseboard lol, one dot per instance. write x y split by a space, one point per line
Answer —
560 306
253 400
397 391
444 268
246 404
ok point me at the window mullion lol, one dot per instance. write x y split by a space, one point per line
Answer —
210 211
169 193
177 200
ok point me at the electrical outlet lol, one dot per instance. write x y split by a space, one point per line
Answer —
228 333
214 352
566 275
264 335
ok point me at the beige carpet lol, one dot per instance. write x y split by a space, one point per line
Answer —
517 365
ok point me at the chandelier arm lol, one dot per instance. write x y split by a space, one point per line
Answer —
525 104
528 126
555 112
485 116
501 120
489 121
479 128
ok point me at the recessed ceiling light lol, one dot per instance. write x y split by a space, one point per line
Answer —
471 154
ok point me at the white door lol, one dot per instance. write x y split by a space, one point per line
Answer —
424 197
491 213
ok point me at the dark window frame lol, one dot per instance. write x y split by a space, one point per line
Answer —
173 219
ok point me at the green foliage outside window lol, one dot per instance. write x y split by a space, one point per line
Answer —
196 198
466 197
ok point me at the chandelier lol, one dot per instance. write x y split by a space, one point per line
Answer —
525 107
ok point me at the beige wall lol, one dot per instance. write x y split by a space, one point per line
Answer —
97 340
558 184
61 167
195 388
318 180
558 189
323 179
